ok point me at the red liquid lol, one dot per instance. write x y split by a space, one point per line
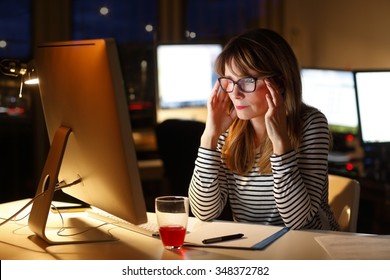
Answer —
172 235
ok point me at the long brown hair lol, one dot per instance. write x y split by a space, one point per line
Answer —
268 54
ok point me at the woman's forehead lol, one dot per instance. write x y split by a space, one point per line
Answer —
237 69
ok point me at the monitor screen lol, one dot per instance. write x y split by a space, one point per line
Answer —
185 77
373 94
333 93
88 124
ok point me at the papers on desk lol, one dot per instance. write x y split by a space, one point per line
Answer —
356 247
252 234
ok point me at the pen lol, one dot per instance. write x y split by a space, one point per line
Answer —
223 238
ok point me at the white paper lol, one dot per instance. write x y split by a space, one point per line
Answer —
368 247
204 230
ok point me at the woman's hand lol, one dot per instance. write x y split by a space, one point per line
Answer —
218 117
276 120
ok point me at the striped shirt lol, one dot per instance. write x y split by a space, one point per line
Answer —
294 195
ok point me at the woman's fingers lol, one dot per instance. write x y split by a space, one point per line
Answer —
274 98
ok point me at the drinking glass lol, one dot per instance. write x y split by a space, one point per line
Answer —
172 218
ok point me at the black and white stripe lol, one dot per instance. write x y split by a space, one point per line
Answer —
294 195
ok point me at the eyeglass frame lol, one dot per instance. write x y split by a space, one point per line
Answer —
239 86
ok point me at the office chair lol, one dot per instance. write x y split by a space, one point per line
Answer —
178 141
344 195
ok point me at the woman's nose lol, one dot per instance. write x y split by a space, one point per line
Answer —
236 93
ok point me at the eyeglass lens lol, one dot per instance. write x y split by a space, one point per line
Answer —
245 84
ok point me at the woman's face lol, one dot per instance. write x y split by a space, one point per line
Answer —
248 105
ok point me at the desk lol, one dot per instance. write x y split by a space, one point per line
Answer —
17 242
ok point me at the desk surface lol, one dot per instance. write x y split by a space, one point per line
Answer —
18 242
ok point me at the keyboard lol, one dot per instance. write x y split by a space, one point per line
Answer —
149 228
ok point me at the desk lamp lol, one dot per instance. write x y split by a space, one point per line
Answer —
15 68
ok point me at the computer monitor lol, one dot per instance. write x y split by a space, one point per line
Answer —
332 91
373 97
185 77
88 124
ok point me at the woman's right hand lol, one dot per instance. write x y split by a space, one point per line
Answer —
218 117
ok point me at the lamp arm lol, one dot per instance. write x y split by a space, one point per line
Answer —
12 67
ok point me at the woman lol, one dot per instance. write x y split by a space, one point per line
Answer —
263 149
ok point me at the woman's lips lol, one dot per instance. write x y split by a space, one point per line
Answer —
240 107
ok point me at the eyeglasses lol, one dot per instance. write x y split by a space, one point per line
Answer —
245 84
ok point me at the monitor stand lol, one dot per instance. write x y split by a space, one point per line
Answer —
44 196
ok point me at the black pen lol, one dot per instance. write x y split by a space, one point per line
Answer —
223 238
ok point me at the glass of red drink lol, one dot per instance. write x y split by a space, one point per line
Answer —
172 218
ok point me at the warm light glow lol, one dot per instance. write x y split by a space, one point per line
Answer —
190 34
3 44
104 11
32 81
349 212
149 28
31 78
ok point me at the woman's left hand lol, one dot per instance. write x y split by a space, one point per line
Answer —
276 120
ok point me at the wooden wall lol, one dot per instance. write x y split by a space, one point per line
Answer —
339 33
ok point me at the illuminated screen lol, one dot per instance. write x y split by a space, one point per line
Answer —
185 77
333 93
373 95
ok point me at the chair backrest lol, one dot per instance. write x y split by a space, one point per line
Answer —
344 195
178 141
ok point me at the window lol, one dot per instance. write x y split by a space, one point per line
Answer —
126 21
15 32
221 19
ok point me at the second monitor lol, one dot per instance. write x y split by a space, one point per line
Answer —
185 78
332 91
